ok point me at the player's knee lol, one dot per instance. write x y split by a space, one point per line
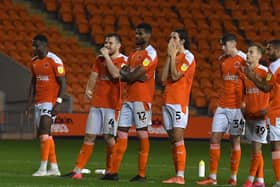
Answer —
109 139
123 129
235 140
178 134
170 136
89 138
45 125
275 146
142 133
216 138
178 138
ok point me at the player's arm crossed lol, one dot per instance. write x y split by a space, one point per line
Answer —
138 74
263 84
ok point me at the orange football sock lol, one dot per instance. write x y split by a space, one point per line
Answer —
143 152
235 159
214 153
84 155
45 147
120 148
174 157
276 164
260 173
109 156
255 163
180 157
52 155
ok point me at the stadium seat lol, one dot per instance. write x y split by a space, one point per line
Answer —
51 5
208 18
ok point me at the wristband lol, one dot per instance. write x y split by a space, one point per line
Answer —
59 100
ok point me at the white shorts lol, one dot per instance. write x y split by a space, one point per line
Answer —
274 131
228 120
135 113
102 121
257 131
42 109
174 117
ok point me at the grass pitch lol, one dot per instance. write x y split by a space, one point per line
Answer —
19 159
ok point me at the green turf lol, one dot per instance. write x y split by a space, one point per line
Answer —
19 159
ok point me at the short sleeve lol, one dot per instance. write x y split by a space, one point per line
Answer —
149 65
276 76
59 69
183 66
186 60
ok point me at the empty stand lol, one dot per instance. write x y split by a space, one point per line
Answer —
205 21
17 44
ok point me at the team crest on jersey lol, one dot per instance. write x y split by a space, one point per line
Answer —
268 77
46 65
237 64
60 69
184 67
146 62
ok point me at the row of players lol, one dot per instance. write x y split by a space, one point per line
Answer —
246 84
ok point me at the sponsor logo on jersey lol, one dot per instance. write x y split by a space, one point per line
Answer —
237 64
252 90
230 77
42 77
46 65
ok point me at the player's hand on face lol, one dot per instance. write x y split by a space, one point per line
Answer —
172 49
104 51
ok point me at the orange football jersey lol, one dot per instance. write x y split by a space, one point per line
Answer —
178 92
45 71
107 91
255 99
143 91
273 78
231 94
